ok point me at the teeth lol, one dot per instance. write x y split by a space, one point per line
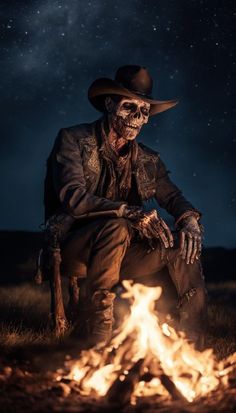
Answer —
131 126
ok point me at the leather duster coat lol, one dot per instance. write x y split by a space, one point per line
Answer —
73 171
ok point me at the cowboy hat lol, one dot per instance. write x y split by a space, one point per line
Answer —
130 81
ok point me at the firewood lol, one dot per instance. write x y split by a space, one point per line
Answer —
171 387
120 392
156 371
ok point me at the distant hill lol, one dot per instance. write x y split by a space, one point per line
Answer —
19 250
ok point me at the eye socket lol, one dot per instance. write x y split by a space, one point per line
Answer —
145 111
133 107
129 105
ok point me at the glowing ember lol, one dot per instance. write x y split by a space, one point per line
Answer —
151 357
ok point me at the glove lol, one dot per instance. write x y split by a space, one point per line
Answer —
191 239
150 226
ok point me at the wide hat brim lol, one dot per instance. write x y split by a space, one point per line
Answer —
102 87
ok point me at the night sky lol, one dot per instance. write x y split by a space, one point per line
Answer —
53 50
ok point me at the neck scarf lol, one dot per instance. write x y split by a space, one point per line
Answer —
116 173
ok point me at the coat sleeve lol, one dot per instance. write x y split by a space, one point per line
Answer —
171 198
69 181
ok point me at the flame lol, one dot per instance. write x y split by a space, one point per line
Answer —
142 343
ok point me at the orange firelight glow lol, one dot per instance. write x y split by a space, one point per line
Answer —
142 337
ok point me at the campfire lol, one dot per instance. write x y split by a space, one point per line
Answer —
146 359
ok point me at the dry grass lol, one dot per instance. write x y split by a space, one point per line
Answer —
12 336
24 317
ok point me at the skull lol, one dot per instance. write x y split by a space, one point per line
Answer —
127 116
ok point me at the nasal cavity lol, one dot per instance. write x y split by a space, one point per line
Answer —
137 114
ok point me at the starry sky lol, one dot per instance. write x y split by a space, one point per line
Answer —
51 51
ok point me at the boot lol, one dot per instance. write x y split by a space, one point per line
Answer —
100 320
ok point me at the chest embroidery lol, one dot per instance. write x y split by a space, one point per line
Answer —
93 161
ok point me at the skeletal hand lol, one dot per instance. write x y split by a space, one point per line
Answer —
150 225
191 239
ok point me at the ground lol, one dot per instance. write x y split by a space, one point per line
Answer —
31 357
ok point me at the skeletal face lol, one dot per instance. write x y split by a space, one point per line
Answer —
127 116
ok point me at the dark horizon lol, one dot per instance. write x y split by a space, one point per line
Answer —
51 53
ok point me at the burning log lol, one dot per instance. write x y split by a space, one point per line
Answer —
171 387
124 385
157 371
127 379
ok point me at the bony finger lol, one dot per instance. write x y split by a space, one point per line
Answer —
170 237
199 246
190 246
164 239
158 232
182 239
153 231
184 251
168 233
198 255
194 250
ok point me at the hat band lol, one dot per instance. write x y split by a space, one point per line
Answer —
137 92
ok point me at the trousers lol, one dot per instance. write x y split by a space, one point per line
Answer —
106 251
